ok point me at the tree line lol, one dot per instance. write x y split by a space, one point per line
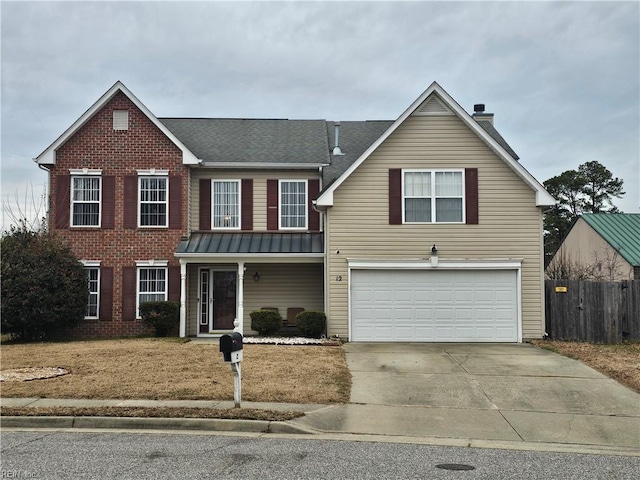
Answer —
590 188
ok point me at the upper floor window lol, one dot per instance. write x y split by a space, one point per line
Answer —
226 204
293 204
433 196
154 200
121 120
85 200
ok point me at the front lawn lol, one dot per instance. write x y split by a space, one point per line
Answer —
619 361
165 369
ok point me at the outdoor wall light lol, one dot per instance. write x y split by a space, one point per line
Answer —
434 256
256 276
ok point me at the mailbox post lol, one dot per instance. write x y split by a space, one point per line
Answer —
231 348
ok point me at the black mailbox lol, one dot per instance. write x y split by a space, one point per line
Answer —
230 343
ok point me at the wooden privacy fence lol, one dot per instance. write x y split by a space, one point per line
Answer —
604 312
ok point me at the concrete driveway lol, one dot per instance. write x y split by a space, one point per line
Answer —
493 392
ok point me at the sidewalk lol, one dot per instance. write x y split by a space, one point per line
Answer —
327 422
211 424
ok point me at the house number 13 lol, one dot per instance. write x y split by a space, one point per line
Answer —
338 278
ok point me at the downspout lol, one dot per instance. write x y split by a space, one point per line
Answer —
323 214
183 298
47 193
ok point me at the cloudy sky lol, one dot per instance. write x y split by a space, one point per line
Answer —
562 78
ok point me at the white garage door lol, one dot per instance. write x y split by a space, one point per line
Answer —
434 306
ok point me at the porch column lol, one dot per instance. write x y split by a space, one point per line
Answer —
183 299
240 310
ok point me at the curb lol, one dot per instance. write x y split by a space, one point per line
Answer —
150 423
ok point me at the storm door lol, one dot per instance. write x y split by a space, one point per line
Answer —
216 300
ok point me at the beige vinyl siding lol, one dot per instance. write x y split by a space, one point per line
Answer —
509 222
281 285
584 248
259 177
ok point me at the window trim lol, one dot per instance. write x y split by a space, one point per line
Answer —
88 265
85 173
149 174
433 196
213 204
306 203
155 265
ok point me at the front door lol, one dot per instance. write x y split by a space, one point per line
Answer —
217 300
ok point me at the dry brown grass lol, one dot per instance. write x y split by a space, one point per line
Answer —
157 412
166 369
618 361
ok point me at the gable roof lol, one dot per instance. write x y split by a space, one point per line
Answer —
226 141
543 198
48 157
620 230
354 139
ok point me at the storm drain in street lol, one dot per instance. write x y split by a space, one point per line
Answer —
455 466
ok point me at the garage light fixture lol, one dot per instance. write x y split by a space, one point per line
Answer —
434 256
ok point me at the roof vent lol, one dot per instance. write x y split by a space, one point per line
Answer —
336 148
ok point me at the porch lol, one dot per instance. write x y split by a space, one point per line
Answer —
226 276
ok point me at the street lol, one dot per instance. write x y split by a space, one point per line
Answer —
145 455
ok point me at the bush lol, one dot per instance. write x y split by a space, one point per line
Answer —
266 322
44 286
311 324
164 317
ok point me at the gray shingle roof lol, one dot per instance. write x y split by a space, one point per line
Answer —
252 140
354 139
224 140
248 243
490 129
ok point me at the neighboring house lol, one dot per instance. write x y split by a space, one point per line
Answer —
602 246
426 228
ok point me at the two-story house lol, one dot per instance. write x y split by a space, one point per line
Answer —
426 228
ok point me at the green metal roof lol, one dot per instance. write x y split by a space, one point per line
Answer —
620 230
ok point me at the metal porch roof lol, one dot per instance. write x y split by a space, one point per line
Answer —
243 243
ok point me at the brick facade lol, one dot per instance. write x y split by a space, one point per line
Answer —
120 154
